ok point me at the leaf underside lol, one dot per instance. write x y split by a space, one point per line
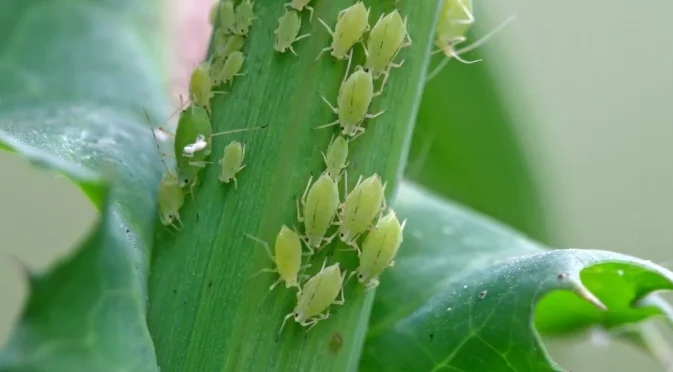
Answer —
75 76
463 293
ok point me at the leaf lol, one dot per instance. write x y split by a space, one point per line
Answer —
205 313
75 77
466 145
464 290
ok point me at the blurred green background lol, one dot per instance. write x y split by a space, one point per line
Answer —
565 132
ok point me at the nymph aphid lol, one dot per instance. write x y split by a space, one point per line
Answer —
355 96
317 294
351 24
379 250
388 36
232 162
287 257
244 17
320 202
361 207
455 20
287 31
336 159
299 5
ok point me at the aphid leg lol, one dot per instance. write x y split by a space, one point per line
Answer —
288 316
314 321
272 286
266 270
342 300
300 218
264 244
348 66
392 263
238 130
329 30
310 11
373 116
200 164
334 109
295 40
371 284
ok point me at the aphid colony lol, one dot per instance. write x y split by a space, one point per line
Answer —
193 135
325 214
358 218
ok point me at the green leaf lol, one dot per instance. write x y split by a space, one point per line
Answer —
75 77
467 144
464 290
205 314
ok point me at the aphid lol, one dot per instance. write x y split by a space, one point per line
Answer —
244 17
227 44
320 202
230 68
388 36
227 16
379 249
171 199
287 31
193 126
299 5
455 20
355 96
287 258
232 162
336 157
351 24
360 208
214 10
201 86
318 293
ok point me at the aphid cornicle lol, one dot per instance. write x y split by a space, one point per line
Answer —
388 36
287 31
317 294
287 258
244 17
379 250
232 162
351 24
361 207
336 157
355 96
227 16
320 202
299 5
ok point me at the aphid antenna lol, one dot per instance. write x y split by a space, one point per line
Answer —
156 141
264 244
238 130
288 316
456 53
486 37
